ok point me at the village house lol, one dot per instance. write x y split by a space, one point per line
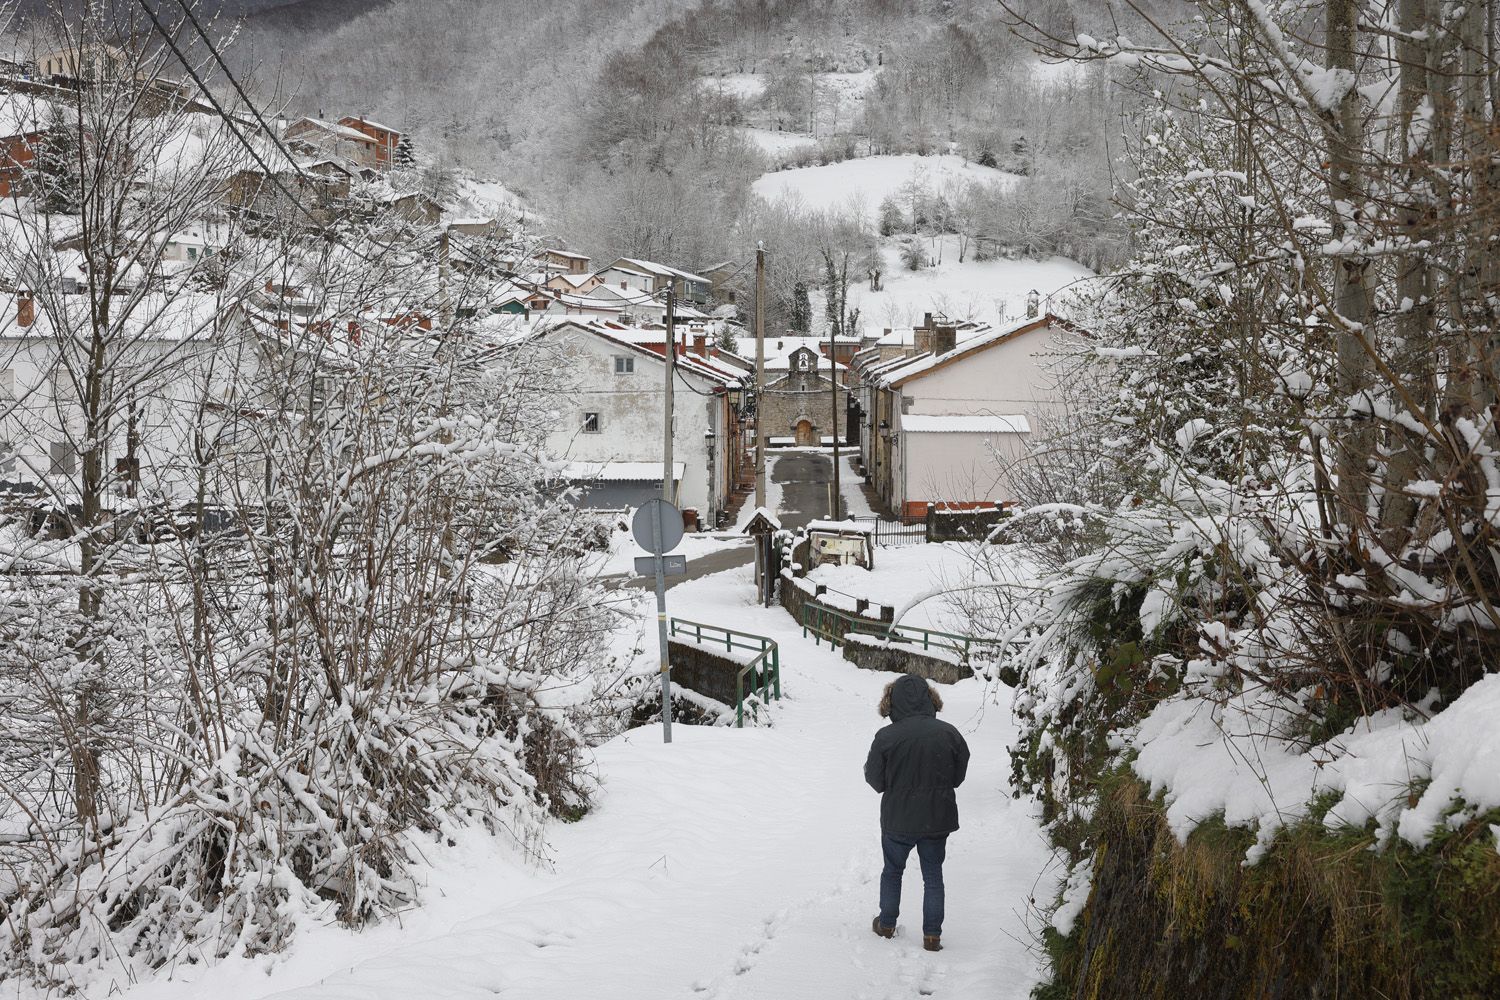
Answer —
179 351
321 187
414 207
610 426
386 138
649 276
325 138
94 61
941 425
556 259
573 284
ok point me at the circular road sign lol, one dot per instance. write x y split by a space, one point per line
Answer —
643 526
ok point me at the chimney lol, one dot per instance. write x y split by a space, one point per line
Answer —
1033 303
944 339
25 309
700 344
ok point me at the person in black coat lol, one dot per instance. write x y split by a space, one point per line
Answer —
915 763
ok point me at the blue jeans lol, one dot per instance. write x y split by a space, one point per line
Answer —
930 852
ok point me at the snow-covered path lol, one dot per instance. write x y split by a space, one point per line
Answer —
730 864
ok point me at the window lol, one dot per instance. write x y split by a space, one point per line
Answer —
624 365
591 423
62 458
192 253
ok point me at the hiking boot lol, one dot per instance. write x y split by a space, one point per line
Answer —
932 942
882 929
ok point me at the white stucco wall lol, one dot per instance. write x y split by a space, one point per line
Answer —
1007 379
630 415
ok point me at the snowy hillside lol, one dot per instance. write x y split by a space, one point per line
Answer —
867 180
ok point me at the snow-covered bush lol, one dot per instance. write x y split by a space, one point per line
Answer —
1298 364
368 624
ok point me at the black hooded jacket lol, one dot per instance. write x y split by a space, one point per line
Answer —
916 762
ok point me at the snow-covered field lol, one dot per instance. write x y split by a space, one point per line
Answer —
991 291
866 180
730 864
776 144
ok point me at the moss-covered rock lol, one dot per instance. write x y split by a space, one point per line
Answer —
1324 916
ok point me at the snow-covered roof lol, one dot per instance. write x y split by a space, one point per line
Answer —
566 253
924 363
636 339
661 270
333 129
932 423
779 351
370 122
23 114
626 270
621 472
772 519
573 279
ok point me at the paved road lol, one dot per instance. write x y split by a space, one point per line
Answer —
803 477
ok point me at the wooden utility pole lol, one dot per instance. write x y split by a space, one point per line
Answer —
835 502
760 375
671 364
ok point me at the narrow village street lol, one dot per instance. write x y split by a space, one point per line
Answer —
732 863
800 478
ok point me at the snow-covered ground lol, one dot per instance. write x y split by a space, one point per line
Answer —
905 573
730 864
986 291
620 560
776 144
867 180
991 291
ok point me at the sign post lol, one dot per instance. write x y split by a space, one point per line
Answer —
657 527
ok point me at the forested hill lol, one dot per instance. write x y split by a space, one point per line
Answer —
509 84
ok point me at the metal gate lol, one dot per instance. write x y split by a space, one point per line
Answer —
896 531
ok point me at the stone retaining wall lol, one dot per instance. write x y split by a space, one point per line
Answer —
870 653
709 672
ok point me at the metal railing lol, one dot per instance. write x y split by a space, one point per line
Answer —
896 531
831 624
764 669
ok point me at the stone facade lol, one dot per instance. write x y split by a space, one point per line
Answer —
799 403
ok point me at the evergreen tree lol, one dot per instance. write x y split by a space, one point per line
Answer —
54 170
405 155
801 308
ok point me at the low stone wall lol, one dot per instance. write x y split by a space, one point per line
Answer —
708 672
870 653
963 525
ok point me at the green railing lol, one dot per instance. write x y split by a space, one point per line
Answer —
764 669
831 624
